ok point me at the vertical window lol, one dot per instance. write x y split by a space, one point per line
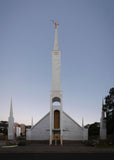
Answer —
56 119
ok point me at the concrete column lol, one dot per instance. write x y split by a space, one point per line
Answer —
50 131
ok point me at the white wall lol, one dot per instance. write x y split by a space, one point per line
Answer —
40 131
18 131
85 134
71 130
28 134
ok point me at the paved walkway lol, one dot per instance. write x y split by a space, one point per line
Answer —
44 148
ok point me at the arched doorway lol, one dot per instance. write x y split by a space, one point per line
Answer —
56 119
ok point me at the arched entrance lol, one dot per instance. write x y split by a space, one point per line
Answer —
56 119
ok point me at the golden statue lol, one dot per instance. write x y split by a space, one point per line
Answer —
56 24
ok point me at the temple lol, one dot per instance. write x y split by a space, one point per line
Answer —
57 125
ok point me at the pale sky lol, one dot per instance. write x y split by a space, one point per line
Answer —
86 42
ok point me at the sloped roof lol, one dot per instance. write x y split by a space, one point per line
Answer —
49 114
72 119
40 120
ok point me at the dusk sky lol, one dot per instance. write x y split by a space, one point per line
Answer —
86 42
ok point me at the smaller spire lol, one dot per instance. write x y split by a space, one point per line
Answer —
102 102
102 122
11 109
82 122
32 122
102 113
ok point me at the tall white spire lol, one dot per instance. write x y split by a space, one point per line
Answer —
56 44
56 63
11 109
56 94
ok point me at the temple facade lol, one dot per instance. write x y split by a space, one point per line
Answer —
56 124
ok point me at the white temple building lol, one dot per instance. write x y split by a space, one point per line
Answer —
56 124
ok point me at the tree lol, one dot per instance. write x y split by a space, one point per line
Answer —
109 109
94 129
3 127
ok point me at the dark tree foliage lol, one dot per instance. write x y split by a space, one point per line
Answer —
4 131
109 109
3 127
94 129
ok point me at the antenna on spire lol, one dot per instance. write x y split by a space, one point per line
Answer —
56 23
